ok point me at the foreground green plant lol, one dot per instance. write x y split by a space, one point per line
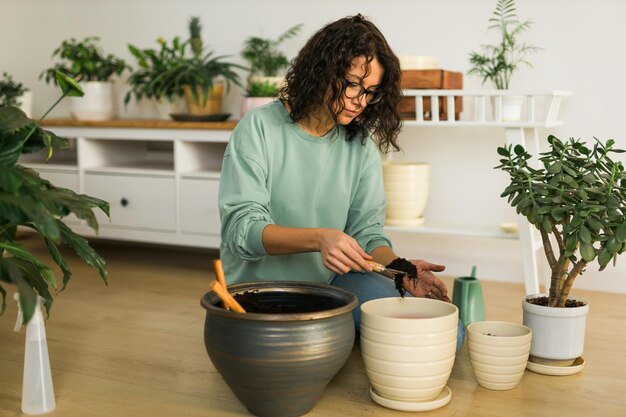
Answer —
27 200
578 197
497 63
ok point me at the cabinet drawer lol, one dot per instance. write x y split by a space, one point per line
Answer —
62 179
136 201
198 206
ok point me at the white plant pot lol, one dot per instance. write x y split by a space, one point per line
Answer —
408 347
96 104
558 333
511 110
406 189
165 107
26 103
250 103
498 353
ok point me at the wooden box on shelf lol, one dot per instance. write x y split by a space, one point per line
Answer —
430 80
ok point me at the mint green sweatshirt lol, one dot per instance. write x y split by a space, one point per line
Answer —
275 173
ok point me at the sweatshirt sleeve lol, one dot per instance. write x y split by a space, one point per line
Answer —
366 217
243 196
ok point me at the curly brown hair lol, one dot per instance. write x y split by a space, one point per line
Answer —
321 66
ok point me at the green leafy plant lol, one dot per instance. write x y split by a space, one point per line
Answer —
27 200
578 197
261 89
10 91
149 80
497 63
263 55
84 61
199 70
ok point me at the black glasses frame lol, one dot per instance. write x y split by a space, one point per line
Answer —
371 96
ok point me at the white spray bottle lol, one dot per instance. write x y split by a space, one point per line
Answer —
37 389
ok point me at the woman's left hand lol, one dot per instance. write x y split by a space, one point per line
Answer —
427 284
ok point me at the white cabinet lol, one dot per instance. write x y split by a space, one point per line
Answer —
160 178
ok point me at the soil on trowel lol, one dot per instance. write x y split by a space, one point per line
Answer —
404 265
280 302
543 301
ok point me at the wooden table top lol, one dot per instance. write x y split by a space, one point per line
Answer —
140 124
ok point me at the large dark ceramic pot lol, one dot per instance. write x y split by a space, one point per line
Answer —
278 364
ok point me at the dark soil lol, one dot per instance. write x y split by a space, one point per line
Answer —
404 265
543 301
280 302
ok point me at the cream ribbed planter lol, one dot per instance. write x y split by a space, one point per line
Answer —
406 189
558 333
498 353
408 347
165 107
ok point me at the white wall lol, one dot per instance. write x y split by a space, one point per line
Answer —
583 52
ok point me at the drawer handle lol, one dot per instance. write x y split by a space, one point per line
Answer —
124 202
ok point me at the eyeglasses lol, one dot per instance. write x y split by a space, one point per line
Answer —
354 90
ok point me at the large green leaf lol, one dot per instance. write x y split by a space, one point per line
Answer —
83 250
9 272
13 119
10 179
33 275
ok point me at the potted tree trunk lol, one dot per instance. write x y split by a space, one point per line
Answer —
577 201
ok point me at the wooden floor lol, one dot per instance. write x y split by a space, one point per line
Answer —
135 348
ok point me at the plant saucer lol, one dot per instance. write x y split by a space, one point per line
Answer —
442 399
577 366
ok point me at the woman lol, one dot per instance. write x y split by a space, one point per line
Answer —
301 191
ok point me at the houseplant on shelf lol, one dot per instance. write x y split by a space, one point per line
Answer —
196 76
266 62
85 61
577 199
13 93
147 80
498 62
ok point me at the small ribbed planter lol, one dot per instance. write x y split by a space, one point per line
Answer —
278 365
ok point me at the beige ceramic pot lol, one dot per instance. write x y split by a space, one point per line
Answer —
498 353
406 189
408 347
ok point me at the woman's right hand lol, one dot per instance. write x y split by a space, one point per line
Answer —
341 253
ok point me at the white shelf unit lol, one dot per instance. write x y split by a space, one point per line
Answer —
161 183
484 109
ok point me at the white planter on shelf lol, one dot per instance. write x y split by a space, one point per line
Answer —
96 104
406 189
558 332
511 108
26 103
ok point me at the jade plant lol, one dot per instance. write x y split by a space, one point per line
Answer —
578 197
497 63
31 202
